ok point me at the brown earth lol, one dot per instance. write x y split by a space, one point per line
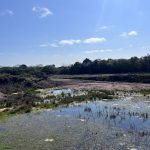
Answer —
2 96
82 84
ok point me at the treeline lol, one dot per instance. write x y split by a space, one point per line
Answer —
132 65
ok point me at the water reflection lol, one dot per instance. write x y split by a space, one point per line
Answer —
101 124
2 129
131 115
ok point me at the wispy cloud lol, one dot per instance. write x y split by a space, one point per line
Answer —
100 28
98 51
43 11
44 45
49 45
145 47
94 40
69 42
103 27
124 34
6 12
129 34
54 45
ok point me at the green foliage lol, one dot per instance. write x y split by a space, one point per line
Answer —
47 106
101 94
132 65
145 92
24 108
92 95
137 78
21 102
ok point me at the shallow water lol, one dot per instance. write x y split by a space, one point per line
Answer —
66 92
60 91
116 124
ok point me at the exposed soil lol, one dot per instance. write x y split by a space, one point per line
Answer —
2 96
82 84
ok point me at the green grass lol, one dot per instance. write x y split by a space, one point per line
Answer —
3 116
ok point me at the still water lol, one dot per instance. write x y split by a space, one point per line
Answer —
122 124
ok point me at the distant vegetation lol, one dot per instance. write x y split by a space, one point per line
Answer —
18 78
113 66
98 66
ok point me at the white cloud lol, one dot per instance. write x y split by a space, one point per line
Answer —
133 33
103 27
69 42
85 41
127 34
6 12
94 40
43 11
98 51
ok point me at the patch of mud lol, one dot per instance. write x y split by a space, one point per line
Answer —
88 85
2 96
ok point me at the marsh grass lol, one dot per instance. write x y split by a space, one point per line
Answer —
3 116
5 147
145 92
24 102
47 106
91 95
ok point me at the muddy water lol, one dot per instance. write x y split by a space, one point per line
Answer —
118 124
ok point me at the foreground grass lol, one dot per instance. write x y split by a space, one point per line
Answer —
3 116
25 102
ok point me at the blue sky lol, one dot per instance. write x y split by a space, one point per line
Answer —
61 32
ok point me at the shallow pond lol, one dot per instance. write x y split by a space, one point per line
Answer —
110 125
